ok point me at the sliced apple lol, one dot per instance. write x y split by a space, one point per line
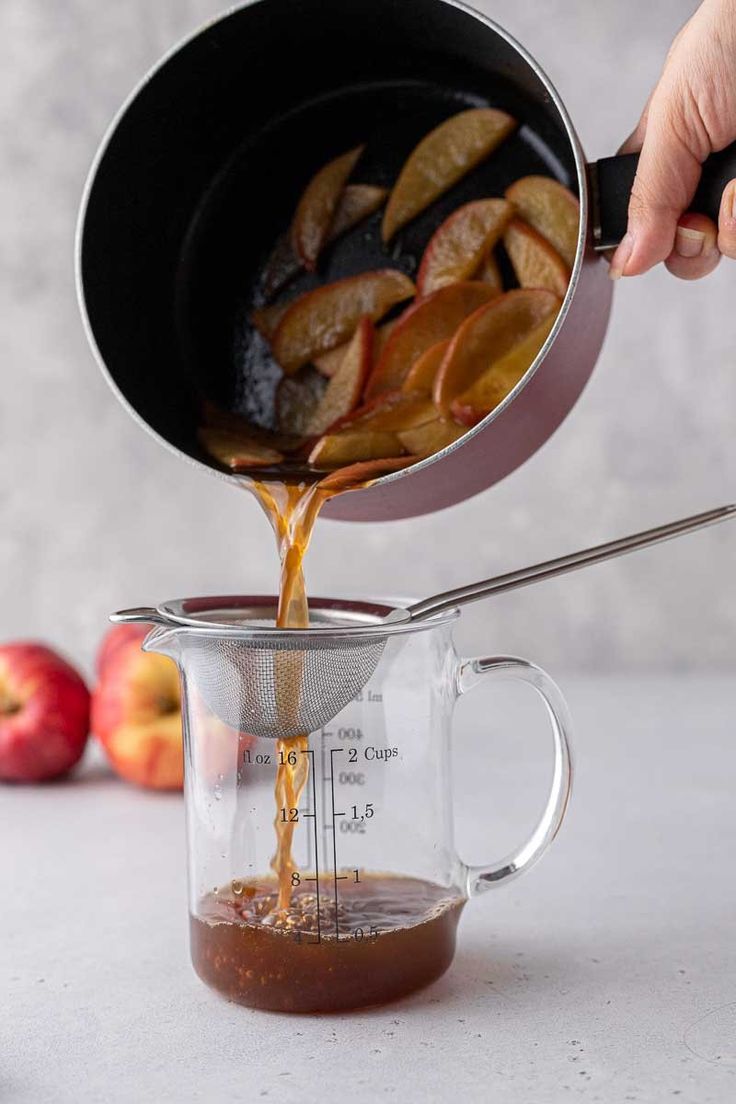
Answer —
362 473
328 363
442 158
390 412
494 385
551 209
456 249
357 203
230 421
426 322
488 335
425 440
422 373
490 273
335 450
238 452
268 319
536 263
343 392
316 208
322 319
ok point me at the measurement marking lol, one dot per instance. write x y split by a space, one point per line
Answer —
308 814
340 814
316 847
334 836
342 878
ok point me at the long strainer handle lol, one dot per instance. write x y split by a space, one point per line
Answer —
536 573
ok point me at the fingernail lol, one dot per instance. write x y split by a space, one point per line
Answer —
689 243
733 201
621 256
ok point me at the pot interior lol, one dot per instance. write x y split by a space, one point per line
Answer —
201 176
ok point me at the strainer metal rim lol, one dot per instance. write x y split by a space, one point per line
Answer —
377 619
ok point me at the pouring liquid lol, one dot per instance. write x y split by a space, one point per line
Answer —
292 510
273 943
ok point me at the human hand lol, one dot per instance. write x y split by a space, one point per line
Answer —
690 114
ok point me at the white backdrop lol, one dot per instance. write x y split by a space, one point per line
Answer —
95 515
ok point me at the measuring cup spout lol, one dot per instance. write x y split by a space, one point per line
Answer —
164 636
164 641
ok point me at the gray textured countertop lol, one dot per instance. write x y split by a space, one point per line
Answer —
607 974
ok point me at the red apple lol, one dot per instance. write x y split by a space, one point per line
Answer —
44 713
114 639
136 711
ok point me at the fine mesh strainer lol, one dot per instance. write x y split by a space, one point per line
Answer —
279 683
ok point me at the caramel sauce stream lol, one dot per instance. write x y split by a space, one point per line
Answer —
292 510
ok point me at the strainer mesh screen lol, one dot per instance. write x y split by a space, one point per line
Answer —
279 689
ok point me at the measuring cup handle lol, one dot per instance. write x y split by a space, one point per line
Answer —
474 671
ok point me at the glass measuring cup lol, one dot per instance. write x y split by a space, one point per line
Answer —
376 886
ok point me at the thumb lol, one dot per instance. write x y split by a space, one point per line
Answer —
665 183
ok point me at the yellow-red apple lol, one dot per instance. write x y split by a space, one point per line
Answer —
136 711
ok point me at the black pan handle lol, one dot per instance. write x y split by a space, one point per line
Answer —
612 179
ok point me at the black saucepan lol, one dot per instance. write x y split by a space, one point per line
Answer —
201 171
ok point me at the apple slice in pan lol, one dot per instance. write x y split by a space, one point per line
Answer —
357 203
328 363
442 158
344 390
316 208
335 450
237 451
426 322
551 209
492 387
324 318
390 413
490 273
424 370
456 250
361 473
536 263
486 336
268 319
371 431
425 440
